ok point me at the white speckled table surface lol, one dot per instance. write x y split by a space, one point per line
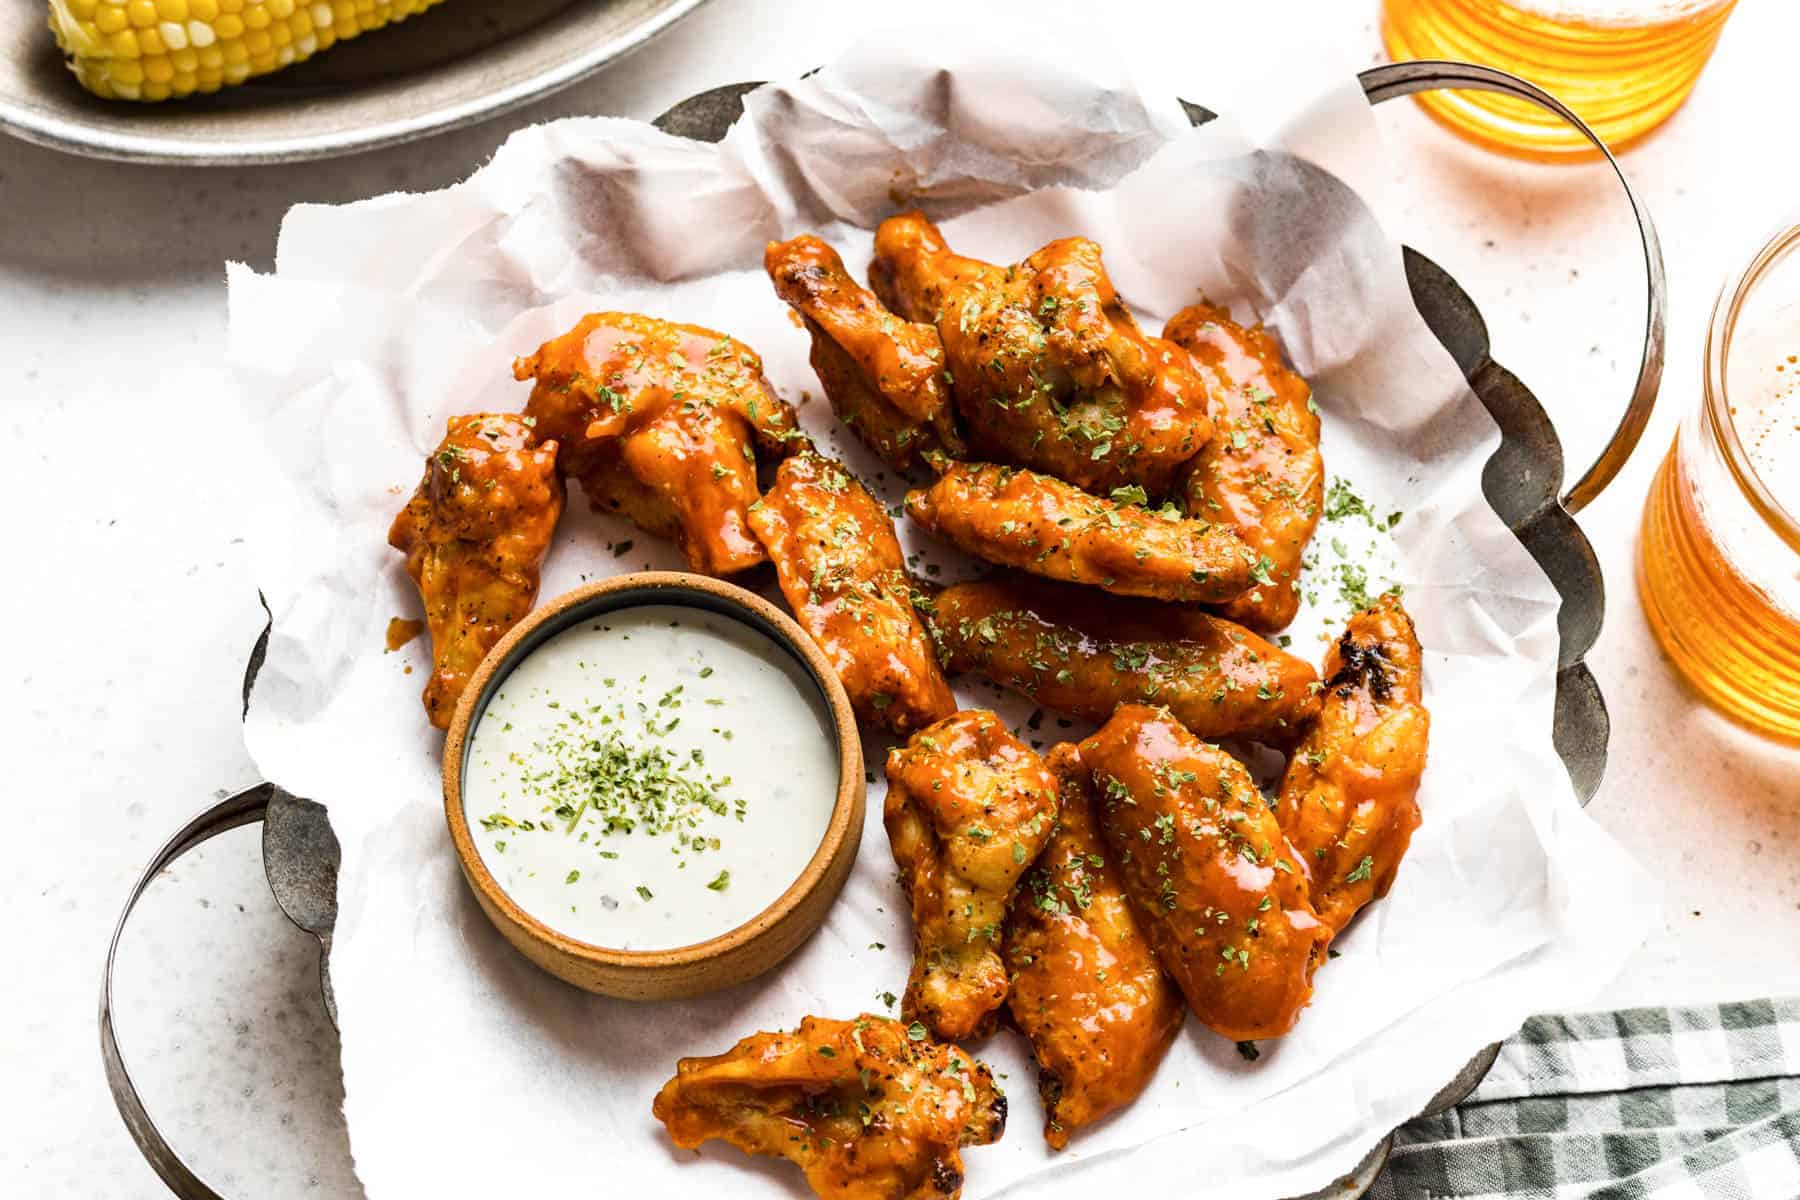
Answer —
129 610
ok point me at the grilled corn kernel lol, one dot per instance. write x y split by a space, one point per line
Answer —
157 49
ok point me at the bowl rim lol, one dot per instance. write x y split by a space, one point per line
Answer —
658 587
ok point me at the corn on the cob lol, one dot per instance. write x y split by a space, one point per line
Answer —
158 49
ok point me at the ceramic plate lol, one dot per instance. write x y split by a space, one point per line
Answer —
459 62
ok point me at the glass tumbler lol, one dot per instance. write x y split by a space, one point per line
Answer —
1624 65
1719 555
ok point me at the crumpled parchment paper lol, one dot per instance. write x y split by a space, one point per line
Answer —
470 1073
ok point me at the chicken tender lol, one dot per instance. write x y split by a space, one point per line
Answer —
1349 800
1048 367
884 375
865 1108
1087 989
844 576
1214 883
1047 527
661 423
969 807
1083 653
475 534
1261 476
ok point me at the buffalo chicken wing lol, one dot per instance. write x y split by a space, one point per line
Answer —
475 534
661 422
1047 527
884 375
1261 476
1213 881
1348 802
968 808
843 574
1048 368
1079 652
865 1108
1087 989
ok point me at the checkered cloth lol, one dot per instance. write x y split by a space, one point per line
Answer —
1645 1104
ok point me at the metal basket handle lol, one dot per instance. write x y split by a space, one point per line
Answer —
1426 75
300 833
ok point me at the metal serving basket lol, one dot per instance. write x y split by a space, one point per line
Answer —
1522 482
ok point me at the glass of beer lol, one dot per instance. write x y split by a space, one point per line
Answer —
1623 65
1719 555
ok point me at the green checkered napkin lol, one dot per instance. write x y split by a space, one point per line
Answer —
1644 1104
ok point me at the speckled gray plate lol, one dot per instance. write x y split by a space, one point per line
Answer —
460 62
1522 482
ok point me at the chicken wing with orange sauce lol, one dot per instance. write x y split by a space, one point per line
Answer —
1080 652
1261 476
913 270
1049 369
884 375
865 1108
842 572
1214 883
1087 989
475 534
1348 802
658 421
1047 527
969 807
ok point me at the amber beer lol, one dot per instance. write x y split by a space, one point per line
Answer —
1719 557
1623 65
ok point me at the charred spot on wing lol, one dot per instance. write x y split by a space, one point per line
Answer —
883 276
810 276
944 1177
1358 663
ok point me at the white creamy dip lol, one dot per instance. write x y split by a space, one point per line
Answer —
651 778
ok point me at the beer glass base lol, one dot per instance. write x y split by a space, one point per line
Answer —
1738 650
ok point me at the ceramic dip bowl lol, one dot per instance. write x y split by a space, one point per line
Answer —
654 785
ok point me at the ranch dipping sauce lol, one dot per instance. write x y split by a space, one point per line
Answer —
651 778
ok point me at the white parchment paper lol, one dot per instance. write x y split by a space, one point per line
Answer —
470 1073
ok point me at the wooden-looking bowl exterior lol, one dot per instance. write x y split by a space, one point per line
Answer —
738 954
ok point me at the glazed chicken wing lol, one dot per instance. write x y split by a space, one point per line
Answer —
1213 881
1076 651
661 422
864 1108
1048 367
1086 986
1047 527
884 375
842 572
1261 476
475 534
1348 802
914 269
968 808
